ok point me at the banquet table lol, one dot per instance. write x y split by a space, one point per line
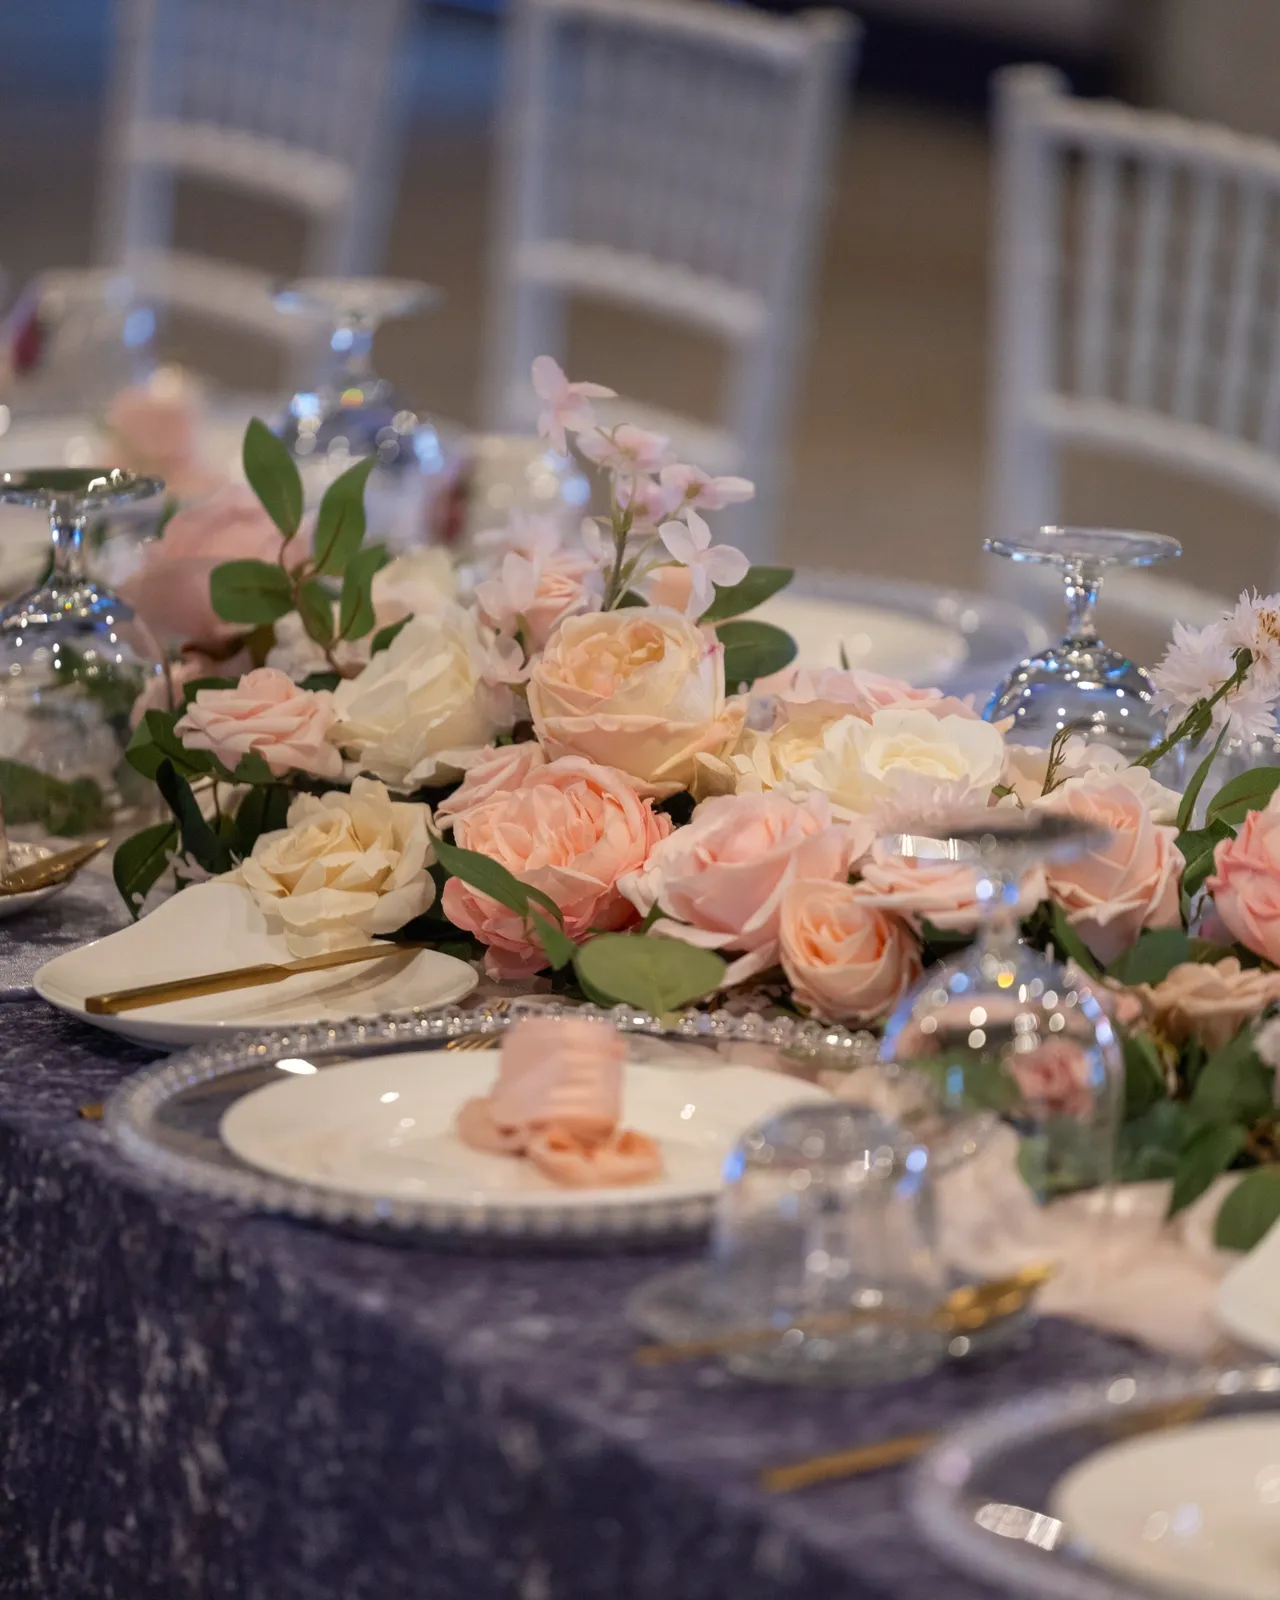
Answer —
196 1402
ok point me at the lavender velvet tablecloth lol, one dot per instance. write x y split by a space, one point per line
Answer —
195 1403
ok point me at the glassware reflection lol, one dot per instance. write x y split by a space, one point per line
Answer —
1080 684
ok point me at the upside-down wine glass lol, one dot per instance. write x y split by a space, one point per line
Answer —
1009 1038
73 661
1080 685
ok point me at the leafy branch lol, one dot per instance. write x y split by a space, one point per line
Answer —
1199 719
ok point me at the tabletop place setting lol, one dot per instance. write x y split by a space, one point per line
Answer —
533 1025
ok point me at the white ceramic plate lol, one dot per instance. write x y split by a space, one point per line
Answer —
23 855
879 638
217 925
384 1127
1248 1304
1195 1510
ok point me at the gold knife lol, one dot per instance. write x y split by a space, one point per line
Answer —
50 869
155 994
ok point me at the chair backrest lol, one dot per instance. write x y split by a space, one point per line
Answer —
669 156
1137 298
292 100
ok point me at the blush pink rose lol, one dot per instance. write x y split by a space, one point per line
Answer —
268 713
1246 883
833 692
170 590
156 432
719 881
944 893
532 594
1055 1077
1111 894
496 770
846 960
572 829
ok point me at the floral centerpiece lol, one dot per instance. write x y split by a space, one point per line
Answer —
591 762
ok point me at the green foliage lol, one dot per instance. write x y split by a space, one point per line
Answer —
1197 846
154 741
1144 1082
273 477
1187 806
1156 953
315 607
653 974
758 585
264 809
340 522
250 592
1208 1152
1068 942
356 616
1250 1211
386 637
1235 1085
1149 1145
1249 791
199 840
753 650
65 806
140 861
559 947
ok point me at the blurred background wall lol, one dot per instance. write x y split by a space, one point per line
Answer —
888 442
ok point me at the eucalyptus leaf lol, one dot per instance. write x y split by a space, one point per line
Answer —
356 615
483 873
1143 1074
1207 1153
315 607
1248 791
263 810
321 680
340 522
1068 942
1250 1211
1234 1085
1187 807
1153 957
273 477
386 637
559 947
1149 1145
758 585
654 974
193 686
140 861
198 839
1197 846
154 740
250 592
753 650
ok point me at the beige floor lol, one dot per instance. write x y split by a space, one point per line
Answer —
888 442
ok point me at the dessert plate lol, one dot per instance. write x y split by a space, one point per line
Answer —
385 1128
1248 1306
1194 1511
217 925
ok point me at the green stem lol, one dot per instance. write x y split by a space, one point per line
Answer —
1196 722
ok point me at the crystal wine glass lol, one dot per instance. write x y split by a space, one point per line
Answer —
1080 684
1013 1041
73 661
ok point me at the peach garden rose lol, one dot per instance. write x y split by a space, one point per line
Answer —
846 960
1246 882
267 714
572 829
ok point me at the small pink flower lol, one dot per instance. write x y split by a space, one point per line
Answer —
528 533
496 770
1054 1077
846 960
625 449
532 596
1246 882
572 829
566 406
722 876
647 499
268 713
851 691
709 564
691 486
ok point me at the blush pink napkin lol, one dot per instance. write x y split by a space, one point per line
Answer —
557 1102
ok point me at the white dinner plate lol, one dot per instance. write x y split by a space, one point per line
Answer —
1247 1303
384 1127
875 637
217 925
1194 1510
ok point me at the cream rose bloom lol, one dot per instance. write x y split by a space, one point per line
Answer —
1206 1000
348 866
641 690
902 757
1026 767
423 709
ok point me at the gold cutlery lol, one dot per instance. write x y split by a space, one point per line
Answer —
49 870
964 1310
91 1111
155 994
841 1464
475 1041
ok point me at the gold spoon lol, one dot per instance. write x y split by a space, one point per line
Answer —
49 870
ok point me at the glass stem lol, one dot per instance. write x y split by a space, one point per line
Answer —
998 933
1082 584
353 341
66 526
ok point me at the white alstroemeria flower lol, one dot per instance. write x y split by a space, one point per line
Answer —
709 564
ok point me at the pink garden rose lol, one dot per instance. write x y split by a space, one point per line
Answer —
1246 882
170 591
155 431
832 692
846 960
496 770
944 893
572 829
1206 1000
640 689
722 877
1055 1077
530 595
1110 895
266 712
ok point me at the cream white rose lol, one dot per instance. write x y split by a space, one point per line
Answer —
641 690
348 866
903 757
1026 767
423 709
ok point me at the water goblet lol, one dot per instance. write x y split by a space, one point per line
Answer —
1080 685
73 661
1014 1041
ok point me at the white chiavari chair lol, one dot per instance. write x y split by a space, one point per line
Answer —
1137 306
670 157
293 101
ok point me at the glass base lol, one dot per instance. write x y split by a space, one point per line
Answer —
1082 686
369 418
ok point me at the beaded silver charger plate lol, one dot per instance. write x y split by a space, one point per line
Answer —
702 1076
